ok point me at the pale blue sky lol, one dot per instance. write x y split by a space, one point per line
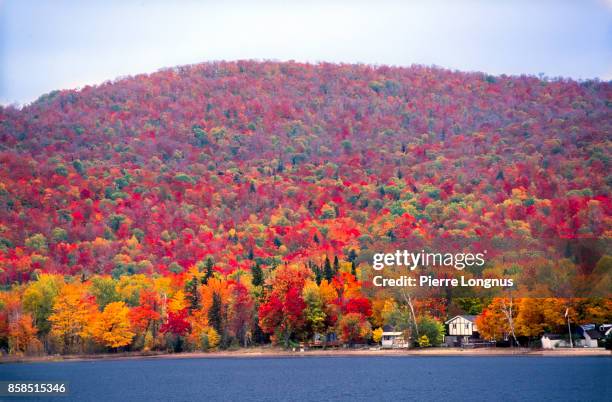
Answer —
46 45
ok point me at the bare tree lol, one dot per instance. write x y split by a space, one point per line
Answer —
408 299
507 310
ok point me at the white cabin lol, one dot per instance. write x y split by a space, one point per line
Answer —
393 340
462 325
461 330
583 336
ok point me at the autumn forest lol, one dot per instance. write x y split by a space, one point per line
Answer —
231 204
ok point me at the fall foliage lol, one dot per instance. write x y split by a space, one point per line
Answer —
112 327
236 203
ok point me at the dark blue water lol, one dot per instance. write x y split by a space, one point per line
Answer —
328 378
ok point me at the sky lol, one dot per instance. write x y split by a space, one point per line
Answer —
62 44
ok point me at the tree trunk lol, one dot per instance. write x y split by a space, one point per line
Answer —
507 310
408 300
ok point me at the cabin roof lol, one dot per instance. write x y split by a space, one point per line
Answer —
470 318
575 336
594 334
552 336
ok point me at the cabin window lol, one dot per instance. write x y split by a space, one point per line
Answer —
454 326
467 326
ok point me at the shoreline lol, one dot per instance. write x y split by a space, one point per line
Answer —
267 352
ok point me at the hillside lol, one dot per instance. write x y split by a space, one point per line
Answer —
249 161
201 207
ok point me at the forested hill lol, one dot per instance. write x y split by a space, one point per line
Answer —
271 162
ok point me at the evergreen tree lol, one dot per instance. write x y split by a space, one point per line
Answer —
352 256
318 274
192 294
210 264
336 265
215 316
258 277
316 271
258 335
327 270
353 269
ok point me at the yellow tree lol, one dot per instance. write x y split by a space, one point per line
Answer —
530 320
71 314
315 316
178 302
199 326
378 309
112 326
209 339
536 316
38 299
553 311
592 310
377 335
328 292
328 296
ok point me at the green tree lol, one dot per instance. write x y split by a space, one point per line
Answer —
215 314
258 277
470 305
209 270
78 166
59 235
352 256
38 300
327 270
192 294
318 274
314 314
37 242
115 221
432 329
104 289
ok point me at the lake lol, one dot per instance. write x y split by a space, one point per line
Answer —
318 378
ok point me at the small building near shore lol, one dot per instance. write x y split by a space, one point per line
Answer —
324 340
583 336
553 341
592 335
461 330
393 340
